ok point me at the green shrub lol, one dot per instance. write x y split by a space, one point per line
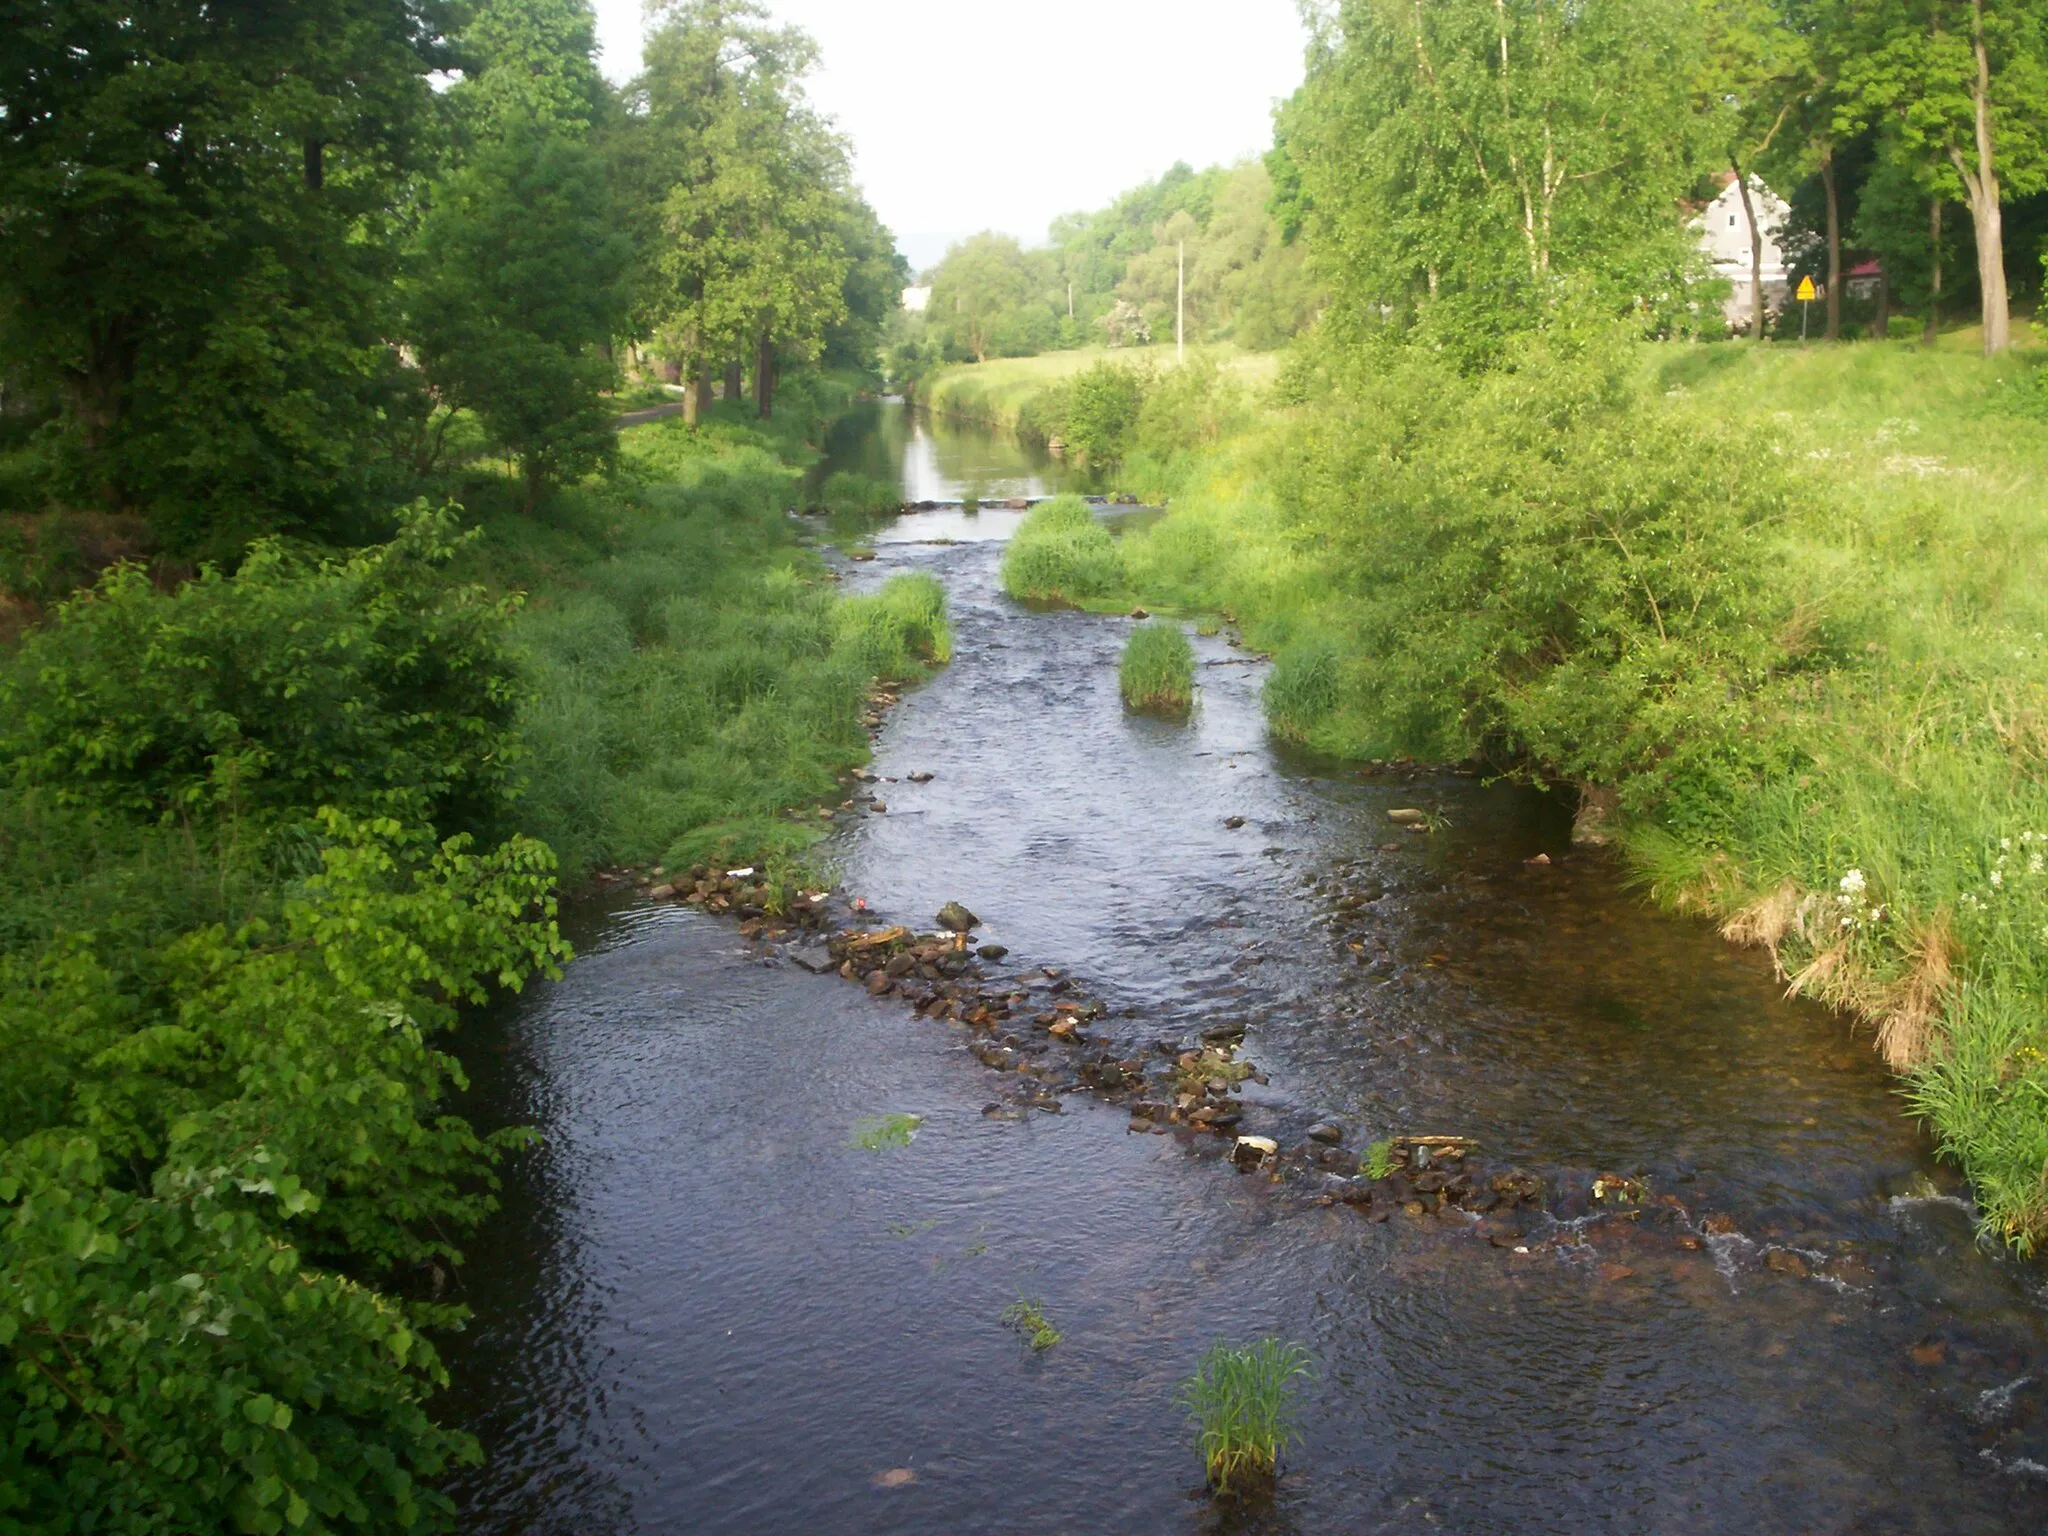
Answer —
371 683
1241 1401
847 493
1158 668
1062 554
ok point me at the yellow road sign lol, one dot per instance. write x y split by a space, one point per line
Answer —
1806 289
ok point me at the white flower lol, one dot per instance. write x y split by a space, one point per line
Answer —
1853 883
1997 877
2006 844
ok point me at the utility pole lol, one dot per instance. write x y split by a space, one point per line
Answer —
1180 305
1070 298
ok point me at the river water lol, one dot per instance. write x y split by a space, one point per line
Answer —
704 1309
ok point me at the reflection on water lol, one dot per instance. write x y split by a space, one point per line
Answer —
936 458
704 1310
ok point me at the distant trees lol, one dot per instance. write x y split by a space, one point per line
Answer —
1111 275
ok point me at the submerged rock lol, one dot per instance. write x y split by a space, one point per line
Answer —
1250 1151
1327 1132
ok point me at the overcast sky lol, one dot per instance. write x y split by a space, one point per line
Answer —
967 115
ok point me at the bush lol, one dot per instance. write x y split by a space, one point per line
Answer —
371 683
1062 554
1158 668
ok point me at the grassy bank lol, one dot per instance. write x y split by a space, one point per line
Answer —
1780 611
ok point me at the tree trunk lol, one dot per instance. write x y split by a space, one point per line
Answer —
668 370
1986 216
1827 181
1933 328
536 477
1756 255
764 376
733 380
1883 324
316 168
698 400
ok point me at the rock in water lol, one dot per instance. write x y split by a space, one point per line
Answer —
992 951
957 919
1407 817
1251 1151
814 957
1326 1131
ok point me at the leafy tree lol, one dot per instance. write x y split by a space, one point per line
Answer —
742 191
1463 159
982 280
525 289
196 201
1964 81
1755 68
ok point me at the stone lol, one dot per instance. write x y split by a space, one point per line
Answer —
1233 822
1250 1151
1139 613
877 807
661 893
814 957
1327 1132
919 777
1785 1262
878 983
992 951
1541 860
1407 817
957 919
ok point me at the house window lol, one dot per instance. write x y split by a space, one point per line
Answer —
1731 221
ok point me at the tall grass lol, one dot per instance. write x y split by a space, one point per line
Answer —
1060 553
1158 668
1241 1401
692 676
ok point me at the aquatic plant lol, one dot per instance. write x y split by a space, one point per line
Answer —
1158 667
1062 554
1378 1162
1029 1319
879 1133
1241 1401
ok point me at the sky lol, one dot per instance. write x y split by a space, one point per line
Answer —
968 115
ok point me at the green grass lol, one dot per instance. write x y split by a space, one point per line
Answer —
692 677
882 1133
1241 1401
1031 1323
1158 668
1378 1162
1060 553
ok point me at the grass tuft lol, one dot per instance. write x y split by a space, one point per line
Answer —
1030 1321
1158 668
880 1133
1241 1401
1378 1162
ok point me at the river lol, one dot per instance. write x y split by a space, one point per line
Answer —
704 1309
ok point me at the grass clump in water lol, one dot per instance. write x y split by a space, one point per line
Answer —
1241 1401
1062 554
1030 1321
882 1133
1158 668
1379 1160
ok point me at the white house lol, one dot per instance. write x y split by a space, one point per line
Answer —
1724 236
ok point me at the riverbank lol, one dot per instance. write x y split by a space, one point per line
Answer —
998 394
1832 742
241 815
